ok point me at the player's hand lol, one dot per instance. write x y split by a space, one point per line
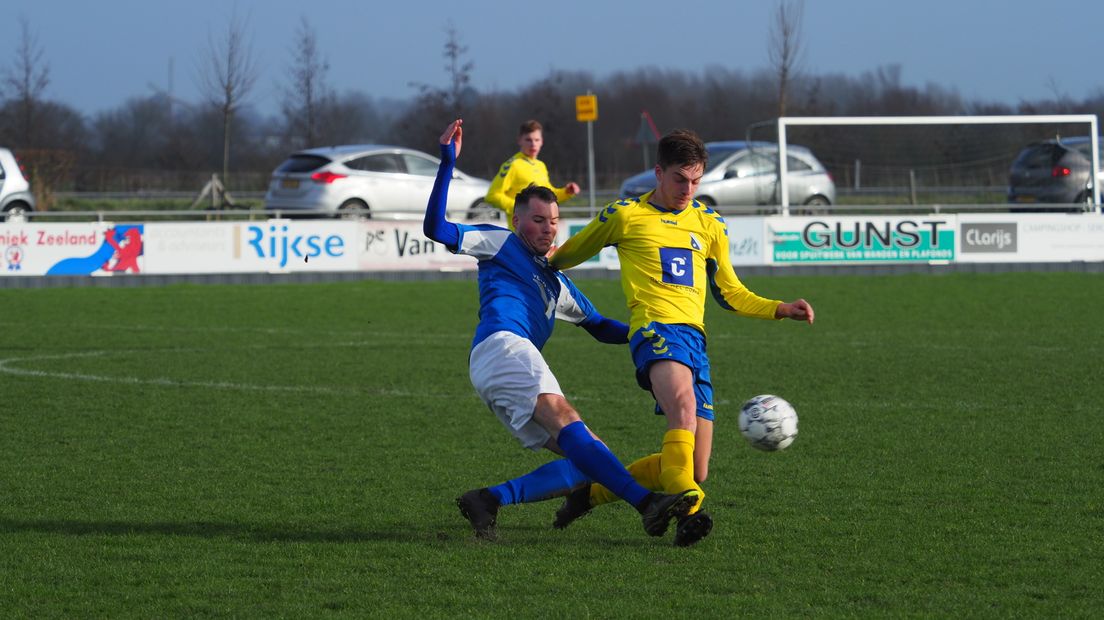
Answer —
454 133
572 188
799 310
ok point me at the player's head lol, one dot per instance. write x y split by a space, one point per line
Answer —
681 160
536 218
531 138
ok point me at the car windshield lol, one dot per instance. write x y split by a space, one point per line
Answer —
1039 156
717 154
303 163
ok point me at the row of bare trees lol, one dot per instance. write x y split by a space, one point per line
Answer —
160 143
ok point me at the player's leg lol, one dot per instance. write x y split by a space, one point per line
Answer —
673 387
512 378
645 470
579 502
703 449
595 459
553 479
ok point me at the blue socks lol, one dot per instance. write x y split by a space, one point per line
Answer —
595 460
549 480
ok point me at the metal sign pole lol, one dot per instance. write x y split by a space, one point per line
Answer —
590 164
586 111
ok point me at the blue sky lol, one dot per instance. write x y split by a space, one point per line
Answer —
101 53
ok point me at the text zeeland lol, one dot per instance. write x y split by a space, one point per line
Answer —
274 242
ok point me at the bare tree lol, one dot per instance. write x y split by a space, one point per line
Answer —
459 70
27 79
435 105
785 46
227 72
307 92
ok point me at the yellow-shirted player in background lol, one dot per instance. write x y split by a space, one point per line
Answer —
672 250
523 169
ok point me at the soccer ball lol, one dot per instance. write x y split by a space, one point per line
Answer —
768 422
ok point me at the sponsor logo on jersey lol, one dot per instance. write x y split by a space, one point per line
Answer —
678 266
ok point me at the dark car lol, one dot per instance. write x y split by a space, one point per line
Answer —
1053 172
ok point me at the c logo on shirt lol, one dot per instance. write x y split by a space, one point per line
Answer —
677 265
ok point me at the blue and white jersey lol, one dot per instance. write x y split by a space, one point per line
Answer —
519 292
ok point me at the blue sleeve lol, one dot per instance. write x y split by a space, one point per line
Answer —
605 329
435 226
583 313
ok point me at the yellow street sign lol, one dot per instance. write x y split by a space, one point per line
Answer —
586 108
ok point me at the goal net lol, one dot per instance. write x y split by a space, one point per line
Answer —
938 161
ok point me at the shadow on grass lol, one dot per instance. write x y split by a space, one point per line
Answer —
200 529
518 534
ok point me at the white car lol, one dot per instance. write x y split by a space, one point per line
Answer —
368 181
16 198
746 173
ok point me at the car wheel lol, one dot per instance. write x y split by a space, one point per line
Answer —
354 209
706 200
815 206
484 211
16 211
1084 202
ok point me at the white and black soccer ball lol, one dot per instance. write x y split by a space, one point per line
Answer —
768 422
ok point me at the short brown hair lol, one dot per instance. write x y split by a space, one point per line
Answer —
529 126
533 191
681 148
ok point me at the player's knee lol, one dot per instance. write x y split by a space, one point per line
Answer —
553 410
683 419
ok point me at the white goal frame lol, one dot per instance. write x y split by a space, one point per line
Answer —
1021 119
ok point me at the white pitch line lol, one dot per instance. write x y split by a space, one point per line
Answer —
7 368
269 331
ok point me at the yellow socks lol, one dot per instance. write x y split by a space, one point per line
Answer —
677 464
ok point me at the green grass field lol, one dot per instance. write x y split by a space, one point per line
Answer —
295 450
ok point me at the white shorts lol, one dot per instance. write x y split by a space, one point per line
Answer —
508 373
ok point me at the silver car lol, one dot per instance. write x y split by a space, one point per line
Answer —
746 173
367 181
16 198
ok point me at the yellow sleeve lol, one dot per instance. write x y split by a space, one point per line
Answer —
498 194
726 287
542 178
601 231
561 194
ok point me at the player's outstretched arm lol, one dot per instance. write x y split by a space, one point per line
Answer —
606 330
799 310
435 225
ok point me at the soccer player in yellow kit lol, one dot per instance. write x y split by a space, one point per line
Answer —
672 249
523 169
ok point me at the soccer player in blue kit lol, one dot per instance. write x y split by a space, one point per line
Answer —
520 297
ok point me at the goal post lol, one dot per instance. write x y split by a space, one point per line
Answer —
793 121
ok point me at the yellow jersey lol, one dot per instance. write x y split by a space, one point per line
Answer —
668 259
515 175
